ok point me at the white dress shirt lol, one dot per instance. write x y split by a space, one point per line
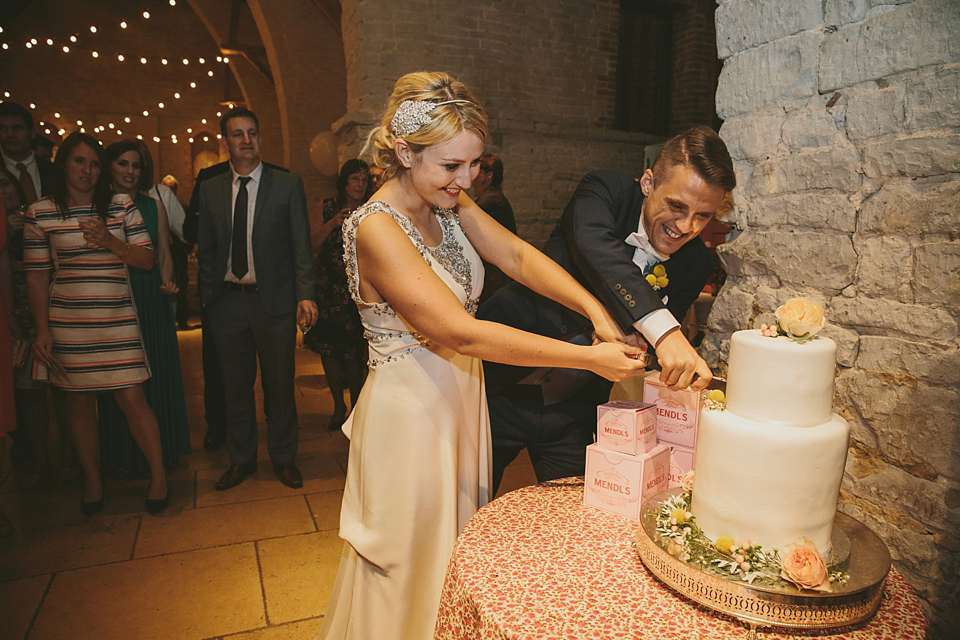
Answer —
31 165
656 324
252 188
175 212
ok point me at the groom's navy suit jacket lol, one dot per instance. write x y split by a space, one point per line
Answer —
589 243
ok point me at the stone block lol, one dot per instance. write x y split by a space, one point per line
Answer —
933 99
912 207
915 423
874 112
824 261
744 24
916 156
886 268
910 37
926 362
753 137
937 273
783 69
830 168
848 343
837 13
810 128
888 315
917 499
731 310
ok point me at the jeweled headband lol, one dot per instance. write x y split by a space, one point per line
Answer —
413 114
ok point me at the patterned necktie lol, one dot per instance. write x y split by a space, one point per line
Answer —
239 255
27 183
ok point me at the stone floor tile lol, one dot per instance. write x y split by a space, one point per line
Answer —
223 525
184 596
326 509
320 473
298 574
100 540
18 604
300 630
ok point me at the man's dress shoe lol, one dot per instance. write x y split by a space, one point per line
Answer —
235 474
288 474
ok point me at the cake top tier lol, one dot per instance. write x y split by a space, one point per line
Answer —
777 380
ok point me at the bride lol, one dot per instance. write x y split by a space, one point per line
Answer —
419 461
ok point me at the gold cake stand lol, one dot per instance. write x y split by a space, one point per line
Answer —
775 606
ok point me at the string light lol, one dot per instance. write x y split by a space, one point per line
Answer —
50 41
143 61
127 119
95 54
66 49
185 61
73 38
120 57
176 95
93 29
123 24
56 114
146 15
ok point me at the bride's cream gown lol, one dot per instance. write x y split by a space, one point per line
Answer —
419 463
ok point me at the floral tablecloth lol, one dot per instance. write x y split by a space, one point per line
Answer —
537 563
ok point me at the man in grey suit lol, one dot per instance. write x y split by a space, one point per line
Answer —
257 282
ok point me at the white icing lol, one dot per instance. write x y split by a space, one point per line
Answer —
769 483
780 381
769 467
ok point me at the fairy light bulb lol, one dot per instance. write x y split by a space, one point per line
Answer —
139 137
160 104
29 45
123 24
127 119
6 46
33 106
163 61
177 95
93 29
143 61
193 85
185 61
50 41
56 114
33 41
73 38
146 113
146 15
210 73
173 3
120 57
95 54
156 138
112 126
79 123
66 49
203 121
201 61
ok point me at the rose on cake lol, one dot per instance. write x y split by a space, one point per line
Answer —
802 565
800 318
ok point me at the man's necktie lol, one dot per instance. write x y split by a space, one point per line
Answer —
27 183
239 255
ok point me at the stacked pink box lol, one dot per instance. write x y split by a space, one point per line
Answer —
626 465
678 418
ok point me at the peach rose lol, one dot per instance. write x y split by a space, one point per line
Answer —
800 317
686 482
803 566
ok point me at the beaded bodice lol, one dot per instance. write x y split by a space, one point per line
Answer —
454 261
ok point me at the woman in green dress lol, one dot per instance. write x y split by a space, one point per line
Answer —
131 172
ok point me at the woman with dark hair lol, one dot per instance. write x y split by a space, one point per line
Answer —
130 172
338 335
31 395
78 243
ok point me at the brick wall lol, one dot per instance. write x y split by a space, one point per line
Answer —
842 119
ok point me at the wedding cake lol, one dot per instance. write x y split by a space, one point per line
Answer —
769 465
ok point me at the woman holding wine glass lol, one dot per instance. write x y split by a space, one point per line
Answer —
88 340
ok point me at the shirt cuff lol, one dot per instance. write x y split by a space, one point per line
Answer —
655 325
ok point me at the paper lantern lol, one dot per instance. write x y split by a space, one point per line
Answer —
323 153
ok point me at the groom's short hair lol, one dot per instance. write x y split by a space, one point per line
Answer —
701 149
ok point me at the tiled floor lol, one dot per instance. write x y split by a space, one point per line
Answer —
256 562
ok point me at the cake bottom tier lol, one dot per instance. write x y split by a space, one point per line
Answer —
769 483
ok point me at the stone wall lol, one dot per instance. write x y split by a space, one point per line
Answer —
843 117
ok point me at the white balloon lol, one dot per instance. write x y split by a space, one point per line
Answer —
323 153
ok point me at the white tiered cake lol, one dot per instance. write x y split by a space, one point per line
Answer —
768 467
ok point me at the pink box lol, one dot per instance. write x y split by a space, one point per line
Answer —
681 461
620 483
678 412
627 426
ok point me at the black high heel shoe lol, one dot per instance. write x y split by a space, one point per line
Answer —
156 506
337 419
91 508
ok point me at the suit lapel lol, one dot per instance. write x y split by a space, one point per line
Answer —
266 179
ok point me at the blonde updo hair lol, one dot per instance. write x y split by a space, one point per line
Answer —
446 121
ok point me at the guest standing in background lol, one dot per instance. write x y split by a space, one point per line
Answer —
16 145
180 249
8 416
151 289
338 334
33 417
77 245
488 190
256 278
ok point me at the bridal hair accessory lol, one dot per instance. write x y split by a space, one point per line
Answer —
413 114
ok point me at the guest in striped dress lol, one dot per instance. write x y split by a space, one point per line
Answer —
78 243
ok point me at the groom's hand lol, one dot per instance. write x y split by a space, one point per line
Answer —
681 366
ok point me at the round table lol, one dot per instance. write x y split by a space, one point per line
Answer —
538 563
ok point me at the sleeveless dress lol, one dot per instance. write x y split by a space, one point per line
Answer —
419 461
94 326
164 390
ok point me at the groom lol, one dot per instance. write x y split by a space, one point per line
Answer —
257 282
612 234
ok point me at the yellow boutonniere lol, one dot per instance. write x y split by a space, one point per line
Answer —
656 276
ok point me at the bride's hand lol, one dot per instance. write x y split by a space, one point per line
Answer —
616 361
605 328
